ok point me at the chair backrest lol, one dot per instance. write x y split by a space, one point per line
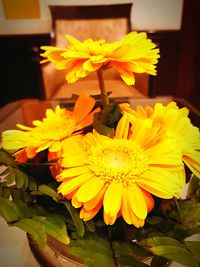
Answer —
109 22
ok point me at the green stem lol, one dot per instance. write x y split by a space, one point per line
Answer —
178 209
104 96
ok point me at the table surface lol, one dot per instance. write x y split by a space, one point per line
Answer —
27 110
14 247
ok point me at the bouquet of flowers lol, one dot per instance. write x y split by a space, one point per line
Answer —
103 178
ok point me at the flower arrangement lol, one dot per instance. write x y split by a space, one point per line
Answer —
103 174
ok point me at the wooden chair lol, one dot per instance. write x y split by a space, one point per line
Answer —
109 22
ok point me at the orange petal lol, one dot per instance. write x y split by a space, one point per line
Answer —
88 119
109 220
148 199
31 152
87 215
91 204
83 106
127 213
21 155
70 195
75 202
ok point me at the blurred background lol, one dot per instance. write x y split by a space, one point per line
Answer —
174 25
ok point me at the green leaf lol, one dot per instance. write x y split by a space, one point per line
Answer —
2 185
19 178
190 231
6 192
171 249
32 184
114 114
93 250
100 127
127 254
55 226
35 228
159 261
156 241
194 248
193 186
46 190
130 262
6 158
76 218
10 178
90 225
8 210
24 210
25 184
16 194
154 220
190 212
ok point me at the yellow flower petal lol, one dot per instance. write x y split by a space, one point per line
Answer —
72 172
89 190
137 201
159 182
127 213
74 160
91 204
122 128
68 186
112 204
55 146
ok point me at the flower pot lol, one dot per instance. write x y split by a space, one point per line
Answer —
56 254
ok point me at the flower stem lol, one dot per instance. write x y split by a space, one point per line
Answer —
104 96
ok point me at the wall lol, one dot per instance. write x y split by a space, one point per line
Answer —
18 26
146 15
155 15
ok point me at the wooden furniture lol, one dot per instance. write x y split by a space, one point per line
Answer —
19 66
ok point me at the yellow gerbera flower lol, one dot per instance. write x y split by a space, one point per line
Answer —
178 127
51 132
79 59
121 173
53 54
134 53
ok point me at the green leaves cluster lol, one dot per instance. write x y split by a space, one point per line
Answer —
31 202
105 120
186 253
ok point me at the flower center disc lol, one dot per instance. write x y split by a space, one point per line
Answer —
56 129
117 160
